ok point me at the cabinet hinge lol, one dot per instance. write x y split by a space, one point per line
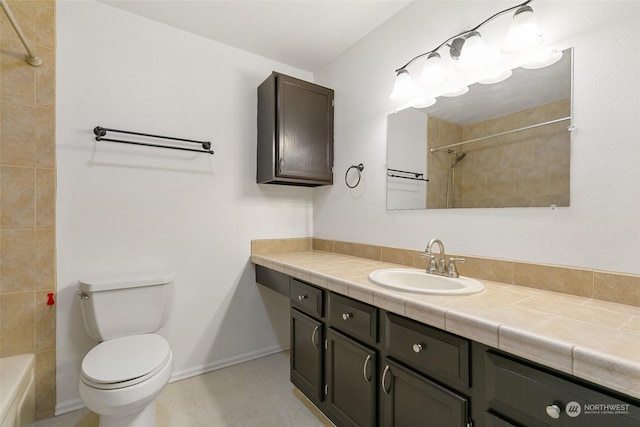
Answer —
326 344
469 423
333 102
326 389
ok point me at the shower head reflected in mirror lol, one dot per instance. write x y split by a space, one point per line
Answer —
456 156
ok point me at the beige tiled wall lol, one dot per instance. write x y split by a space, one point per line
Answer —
527 168
607 286
27 194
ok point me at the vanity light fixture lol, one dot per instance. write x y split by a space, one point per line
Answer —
402 87
524 31
474 61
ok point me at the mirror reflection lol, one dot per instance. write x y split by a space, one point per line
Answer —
500 145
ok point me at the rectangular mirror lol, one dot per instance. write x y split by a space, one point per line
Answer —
505 144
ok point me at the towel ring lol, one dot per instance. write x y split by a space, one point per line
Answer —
359 168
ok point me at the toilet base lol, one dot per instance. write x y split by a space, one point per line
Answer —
144 418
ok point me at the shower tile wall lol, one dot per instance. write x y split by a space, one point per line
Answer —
528 168
27 194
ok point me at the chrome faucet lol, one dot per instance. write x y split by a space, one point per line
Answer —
437 266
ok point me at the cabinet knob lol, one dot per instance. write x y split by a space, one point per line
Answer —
302 297
554 411
346 316
418 348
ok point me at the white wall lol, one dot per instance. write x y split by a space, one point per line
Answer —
123 209
601 228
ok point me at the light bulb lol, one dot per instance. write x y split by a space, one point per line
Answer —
524 32
496 77
423 102
473 54
542 59
402 87
433 72
456 91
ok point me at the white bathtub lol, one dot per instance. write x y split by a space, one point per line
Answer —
17 390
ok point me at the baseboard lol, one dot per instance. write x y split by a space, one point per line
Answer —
224 363
69 406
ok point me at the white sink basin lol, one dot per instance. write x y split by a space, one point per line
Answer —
412 280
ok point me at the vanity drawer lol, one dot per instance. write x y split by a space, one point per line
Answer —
534 397
307 298
354 318
431 351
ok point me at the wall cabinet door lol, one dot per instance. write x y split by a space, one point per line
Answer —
295 132
411 400
351 381
306 355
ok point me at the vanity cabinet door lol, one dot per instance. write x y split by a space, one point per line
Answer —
306 355
411 400
295 132
351 381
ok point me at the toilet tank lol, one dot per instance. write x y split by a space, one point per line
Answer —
113 308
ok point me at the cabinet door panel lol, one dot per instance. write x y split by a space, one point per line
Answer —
351 381
306 355
305 145
411 400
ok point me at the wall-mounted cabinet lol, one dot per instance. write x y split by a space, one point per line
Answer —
295 132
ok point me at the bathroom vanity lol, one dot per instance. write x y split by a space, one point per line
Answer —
368 356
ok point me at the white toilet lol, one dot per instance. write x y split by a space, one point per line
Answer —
122 376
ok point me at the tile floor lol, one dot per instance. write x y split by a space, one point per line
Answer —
255 393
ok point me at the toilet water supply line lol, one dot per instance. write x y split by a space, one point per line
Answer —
31 58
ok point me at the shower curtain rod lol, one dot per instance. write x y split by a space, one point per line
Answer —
32 58
550 122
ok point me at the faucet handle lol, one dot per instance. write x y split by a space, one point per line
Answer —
427 255
452 271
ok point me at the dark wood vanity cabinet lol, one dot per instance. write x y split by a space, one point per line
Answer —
425 376
363 366
307 339
351 381
295 132
410 399
307 342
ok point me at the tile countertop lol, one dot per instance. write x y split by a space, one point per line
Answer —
595 340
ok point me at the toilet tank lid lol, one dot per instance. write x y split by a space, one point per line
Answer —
96 284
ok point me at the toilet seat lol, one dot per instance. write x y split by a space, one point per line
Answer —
126 361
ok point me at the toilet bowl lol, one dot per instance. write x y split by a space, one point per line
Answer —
121 378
